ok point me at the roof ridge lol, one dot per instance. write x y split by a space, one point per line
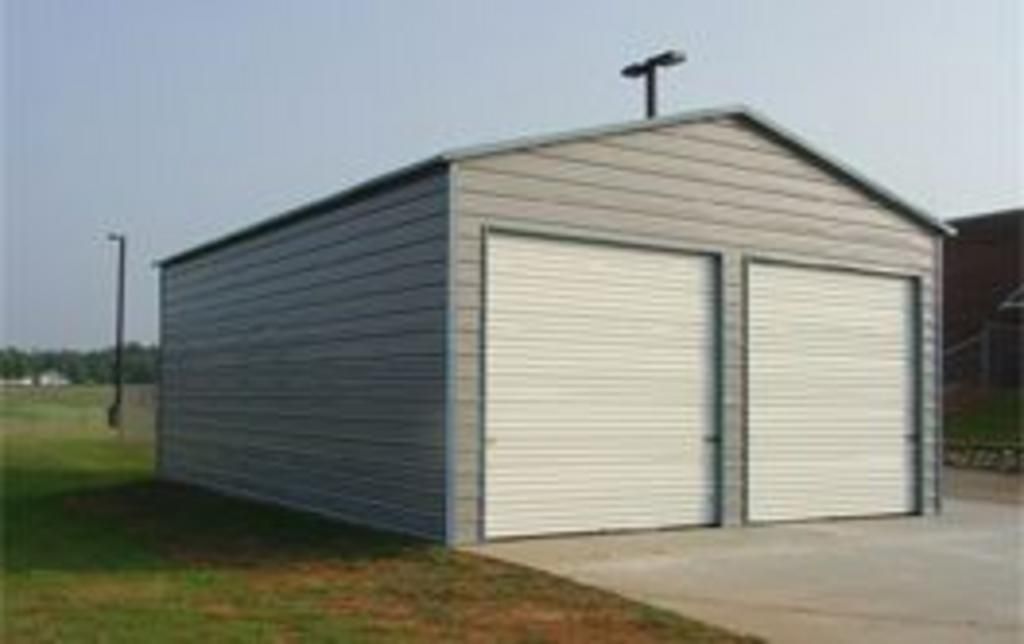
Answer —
784 135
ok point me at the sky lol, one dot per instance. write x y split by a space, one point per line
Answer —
178 120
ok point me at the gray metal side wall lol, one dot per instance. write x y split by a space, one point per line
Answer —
305 365
720 187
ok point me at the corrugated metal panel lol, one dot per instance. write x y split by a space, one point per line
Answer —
600 387
305 365
831 402
592 191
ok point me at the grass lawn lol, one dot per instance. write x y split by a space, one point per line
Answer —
95 550
61 407
995 417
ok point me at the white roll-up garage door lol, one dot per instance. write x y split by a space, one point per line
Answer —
830 394
599 390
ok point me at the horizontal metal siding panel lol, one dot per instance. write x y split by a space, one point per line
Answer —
309 305
305 365
703 229
367 260
373 252
312 468
496 191
318 314
307 254
352 410
239 253
370 370
713 153
595 421
831 394
258 484
366 266
765 226
415 460
183 376
617 157
728 132
398 388
417 321
371 345
396 438
582 175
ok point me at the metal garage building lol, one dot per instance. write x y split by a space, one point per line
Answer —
692 320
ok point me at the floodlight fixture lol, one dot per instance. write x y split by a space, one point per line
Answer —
648 70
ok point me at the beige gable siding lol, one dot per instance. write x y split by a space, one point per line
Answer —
305 365
719 186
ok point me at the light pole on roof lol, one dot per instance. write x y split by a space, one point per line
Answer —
648 70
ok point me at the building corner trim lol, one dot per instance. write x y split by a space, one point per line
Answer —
451 364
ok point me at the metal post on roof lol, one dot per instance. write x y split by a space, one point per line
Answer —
651 81
648 69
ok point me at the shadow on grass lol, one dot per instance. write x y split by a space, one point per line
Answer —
150 524
78 502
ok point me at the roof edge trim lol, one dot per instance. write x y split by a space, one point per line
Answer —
304 210
916 213
871 186
785 136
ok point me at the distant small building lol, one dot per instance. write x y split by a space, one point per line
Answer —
51 378
16 382
983 310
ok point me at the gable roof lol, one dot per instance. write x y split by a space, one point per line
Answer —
760 122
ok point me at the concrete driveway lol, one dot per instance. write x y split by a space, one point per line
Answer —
954 578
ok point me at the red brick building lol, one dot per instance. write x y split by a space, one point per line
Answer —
984 305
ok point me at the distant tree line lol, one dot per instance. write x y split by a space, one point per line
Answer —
81 367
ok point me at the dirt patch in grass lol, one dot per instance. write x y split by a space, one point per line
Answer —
978 485
472 599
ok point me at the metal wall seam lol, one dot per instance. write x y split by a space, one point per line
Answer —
159 388
718 364
451 364
721 384
938 366
744 380
481 392
917 377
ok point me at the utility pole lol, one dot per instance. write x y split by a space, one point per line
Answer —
648 70
114 413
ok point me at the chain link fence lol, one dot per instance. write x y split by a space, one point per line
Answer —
138 420
989 359
981 372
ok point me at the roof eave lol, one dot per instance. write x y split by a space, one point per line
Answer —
304 210
869 185
509 145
